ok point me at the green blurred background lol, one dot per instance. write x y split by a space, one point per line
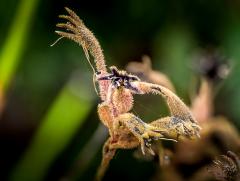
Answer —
49 129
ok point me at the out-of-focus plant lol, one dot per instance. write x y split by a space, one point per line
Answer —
217 135
86 155
1 100
64 118
226 167
13 48
144 71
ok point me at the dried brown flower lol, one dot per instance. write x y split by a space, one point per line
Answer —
117 88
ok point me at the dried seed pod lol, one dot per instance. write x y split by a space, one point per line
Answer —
226 167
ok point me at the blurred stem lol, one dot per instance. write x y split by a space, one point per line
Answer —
15 42
58 127
1 100
87 154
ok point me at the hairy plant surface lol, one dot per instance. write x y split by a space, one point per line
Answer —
226 167
117 88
